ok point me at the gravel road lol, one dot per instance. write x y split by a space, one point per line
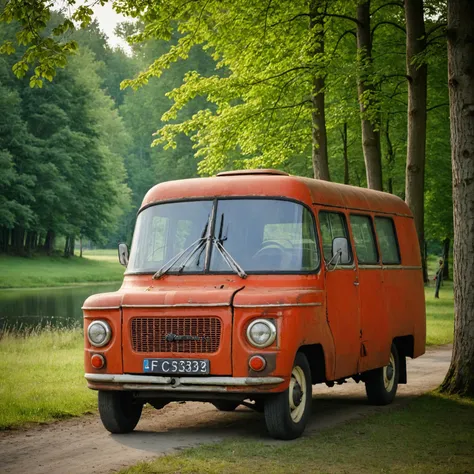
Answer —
82 445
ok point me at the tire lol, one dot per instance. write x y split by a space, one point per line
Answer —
287 413
381 384
119 411
226 405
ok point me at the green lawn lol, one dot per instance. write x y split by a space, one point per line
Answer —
42 378
20 272
432 434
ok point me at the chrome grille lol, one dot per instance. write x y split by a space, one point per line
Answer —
152 334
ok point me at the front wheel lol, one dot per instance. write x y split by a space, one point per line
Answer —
381 385
119 411
287 413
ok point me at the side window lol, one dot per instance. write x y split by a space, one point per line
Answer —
364 239
387 240
332 225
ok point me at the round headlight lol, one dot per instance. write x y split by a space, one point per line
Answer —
261 333
99 333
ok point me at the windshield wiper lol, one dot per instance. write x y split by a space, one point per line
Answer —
192 249
226 254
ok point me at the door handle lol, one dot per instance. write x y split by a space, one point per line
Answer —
356 283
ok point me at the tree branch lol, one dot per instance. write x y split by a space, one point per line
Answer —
386 23
432 40
445 104
290 19
340 39
279 75
344 17
266 19
437 27
398 4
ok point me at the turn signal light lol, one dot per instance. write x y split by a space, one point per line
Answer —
257 363
97 361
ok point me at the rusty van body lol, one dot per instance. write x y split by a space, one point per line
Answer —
251 286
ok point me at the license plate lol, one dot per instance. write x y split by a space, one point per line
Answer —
176 366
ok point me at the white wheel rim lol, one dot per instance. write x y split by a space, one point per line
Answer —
389 374
297 379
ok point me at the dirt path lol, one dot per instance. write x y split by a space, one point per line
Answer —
83 446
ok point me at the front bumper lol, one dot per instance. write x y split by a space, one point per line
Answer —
182 384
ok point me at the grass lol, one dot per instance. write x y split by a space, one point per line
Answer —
439 312
20 272
426 436
440 315
107 255
42 377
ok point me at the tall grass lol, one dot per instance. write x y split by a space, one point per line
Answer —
42 377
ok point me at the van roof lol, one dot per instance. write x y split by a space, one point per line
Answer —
275 183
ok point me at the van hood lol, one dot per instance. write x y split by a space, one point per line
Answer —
218 295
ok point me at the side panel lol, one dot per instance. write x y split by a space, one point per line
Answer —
344 319
296 326
404 288
375 331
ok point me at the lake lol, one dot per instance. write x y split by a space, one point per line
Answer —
24 309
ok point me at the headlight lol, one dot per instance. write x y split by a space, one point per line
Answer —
99 333
261 333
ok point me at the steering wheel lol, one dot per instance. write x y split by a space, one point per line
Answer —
270 245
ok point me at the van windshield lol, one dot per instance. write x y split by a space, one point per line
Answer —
262 235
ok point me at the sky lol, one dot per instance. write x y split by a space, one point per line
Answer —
108 20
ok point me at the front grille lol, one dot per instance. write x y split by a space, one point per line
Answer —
150 334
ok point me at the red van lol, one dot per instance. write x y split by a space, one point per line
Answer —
252 286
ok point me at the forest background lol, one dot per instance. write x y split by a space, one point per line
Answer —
76 154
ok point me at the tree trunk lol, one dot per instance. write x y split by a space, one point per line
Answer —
390 158
460 377
417 71
370 134
66 247
72 245
319 150
345 154
18 240
49 242
80 247
446 245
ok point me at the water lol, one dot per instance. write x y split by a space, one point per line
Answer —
25 309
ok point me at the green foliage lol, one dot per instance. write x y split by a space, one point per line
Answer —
229 85
63 148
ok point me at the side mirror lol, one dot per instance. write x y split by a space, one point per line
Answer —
123 254
340 246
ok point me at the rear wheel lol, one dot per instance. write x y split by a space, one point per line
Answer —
381 385
287 413
119 411
226 405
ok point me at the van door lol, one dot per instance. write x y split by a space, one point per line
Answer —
342 296
374 331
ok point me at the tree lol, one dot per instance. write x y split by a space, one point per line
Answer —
417 71
366 90
319 149
460 377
